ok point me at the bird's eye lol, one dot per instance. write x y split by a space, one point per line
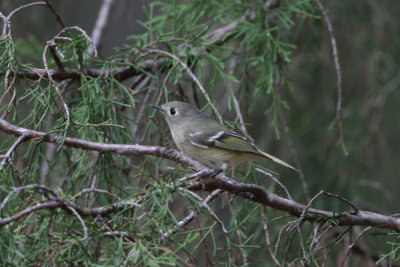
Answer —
172 111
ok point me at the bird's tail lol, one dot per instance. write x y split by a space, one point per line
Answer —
279 161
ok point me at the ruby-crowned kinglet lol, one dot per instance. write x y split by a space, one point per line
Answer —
207 141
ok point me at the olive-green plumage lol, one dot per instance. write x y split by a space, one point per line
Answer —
207 141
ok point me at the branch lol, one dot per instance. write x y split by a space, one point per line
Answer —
121 149
259 194
252 192
120 74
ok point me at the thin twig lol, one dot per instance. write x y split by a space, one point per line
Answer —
286 227
19 189
92 178
303 249
304 212
12 13
338 239
267 239
348 202
289 243
19 140
235 100
46 67
58 18
85 229
276 181
316 238
346 254
238 235
192 214
338 117
15 171
96 190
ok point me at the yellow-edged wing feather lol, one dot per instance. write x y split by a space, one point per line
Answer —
231 141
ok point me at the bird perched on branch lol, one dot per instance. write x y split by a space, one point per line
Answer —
207 141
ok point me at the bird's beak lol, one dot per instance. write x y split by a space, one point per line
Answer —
158 107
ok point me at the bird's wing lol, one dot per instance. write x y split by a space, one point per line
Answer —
223 139
231 141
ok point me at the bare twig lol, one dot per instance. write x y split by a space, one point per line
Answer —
267 239
276 181
7 156
238 235
317 238
96 190
286 227
93 178
85 229
58 18
235 100
7 20
346 254
51 44
58 202
19 189
14 169
338 117
289 243
193 214
303 249
337 239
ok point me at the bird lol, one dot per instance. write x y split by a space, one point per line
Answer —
205 140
